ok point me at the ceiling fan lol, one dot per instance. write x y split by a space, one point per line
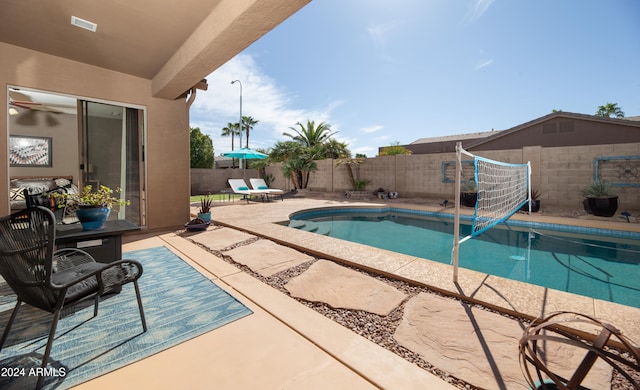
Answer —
22 100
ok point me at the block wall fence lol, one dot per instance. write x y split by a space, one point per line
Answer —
559 174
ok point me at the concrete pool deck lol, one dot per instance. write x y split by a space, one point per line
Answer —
262 219
287 345
282 345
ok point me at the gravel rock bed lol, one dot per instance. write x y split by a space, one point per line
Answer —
376 328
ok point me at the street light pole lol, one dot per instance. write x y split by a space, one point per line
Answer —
239 123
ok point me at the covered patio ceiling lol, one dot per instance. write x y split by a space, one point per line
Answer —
174 43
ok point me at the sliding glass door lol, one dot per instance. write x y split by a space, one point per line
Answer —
112 153
86 141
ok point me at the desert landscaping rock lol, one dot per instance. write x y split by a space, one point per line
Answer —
267 258
340 287
478 346
219 239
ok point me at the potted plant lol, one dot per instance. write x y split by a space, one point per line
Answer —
205 208
600 200
468 193
196 224
535 202
94 207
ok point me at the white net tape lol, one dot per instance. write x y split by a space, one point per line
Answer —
502 190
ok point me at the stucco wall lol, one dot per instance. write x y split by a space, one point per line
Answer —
167 124
559 174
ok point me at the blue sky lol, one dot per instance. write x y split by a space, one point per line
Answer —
381 72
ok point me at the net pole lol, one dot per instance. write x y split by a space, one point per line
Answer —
530 237
456 221
529 183
456 224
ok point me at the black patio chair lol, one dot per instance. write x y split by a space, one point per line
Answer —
52 280
45 200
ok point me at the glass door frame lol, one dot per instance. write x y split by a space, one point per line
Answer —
81 167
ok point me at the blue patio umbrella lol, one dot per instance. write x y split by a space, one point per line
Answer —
245 154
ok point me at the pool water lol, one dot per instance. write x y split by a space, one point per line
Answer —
593 266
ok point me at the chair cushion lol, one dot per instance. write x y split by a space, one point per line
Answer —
243 188
263 187
81 289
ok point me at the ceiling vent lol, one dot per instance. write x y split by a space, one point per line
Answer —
87 25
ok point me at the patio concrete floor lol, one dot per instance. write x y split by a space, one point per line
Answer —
284 344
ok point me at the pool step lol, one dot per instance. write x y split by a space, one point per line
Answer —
298 224
324 230
310 226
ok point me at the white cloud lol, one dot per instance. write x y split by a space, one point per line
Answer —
371 129
262 98
484 64
379 33
478 9
369 151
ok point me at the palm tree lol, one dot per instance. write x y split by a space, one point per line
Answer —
610 109
247 124
307 144
311 135
260 164
334 149
231 130
350 162
297 161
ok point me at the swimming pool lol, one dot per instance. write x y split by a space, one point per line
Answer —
598 263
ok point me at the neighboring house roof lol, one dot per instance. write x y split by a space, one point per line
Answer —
173 43
456 137
557 115
223 162
592 130
445 143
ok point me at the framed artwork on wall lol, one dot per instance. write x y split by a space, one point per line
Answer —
27 151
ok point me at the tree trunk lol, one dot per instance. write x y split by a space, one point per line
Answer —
294 179
233 160
351 178
305 178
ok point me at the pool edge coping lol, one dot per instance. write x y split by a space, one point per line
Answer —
535 305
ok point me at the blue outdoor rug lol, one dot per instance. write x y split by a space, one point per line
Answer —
179 304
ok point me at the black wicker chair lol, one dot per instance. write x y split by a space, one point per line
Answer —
52 280
45 200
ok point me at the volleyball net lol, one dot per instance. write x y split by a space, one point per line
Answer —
502 189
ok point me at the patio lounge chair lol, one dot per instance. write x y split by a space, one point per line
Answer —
260 185
52 280
240 187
